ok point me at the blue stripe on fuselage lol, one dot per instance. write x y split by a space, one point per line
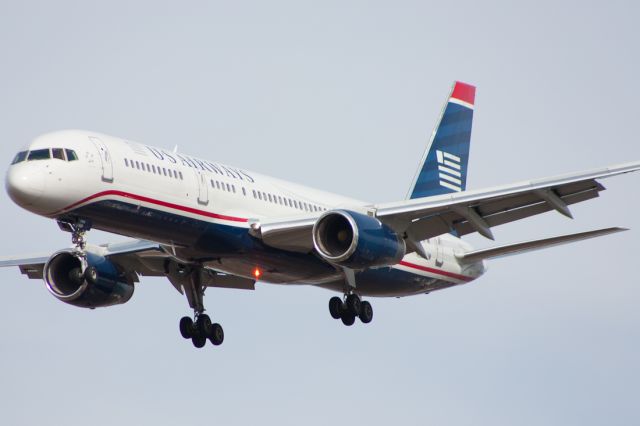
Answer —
238 252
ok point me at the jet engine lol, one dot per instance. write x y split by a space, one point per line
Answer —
356 241
86 280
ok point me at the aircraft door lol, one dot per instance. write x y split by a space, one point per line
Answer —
203 189
105 159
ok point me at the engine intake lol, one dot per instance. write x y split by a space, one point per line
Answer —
90 281
356 240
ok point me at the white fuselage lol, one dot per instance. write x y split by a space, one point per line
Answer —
203 210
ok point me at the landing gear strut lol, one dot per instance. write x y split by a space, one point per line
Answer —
78 229
350 308
198 329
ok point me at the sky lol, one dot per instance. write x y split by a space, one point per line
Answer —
338 95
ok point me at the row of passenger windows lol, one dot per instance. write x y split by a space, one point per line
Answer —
215 184
284 201
45 154
271 198
151 168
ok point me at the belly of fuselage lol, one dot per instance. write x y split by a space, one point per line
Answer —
233 250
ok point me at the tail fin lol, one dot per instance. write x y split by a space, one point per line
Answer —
443 168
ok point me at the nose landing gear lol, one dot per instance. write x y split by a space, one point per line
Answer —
350 309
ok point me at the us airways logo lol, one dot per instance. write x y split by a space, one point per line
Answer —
449 167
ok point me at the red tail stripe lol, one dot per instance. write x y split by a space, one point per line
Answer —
153 201
464 92
436 271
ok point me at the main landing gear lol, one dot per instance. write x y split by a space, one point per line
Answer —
200 328
351 307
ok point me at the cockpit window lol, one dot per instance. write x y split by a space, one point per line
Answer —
71 155
57 153
39 154
21 156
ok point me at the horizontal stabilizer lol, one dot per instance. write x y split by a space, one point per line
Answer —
518 248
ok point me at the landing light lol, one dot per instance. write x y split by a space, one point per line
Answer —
257 273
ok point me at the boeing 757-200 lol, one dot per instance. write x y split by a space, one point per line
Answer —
204 224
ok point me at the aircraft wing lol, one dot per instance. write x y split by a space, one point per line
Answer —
136 258
461 212
480 210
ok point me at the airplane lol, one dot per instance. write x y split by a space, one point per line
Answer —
202 224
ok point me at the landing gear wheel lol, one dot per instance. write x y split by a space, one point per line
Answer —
217 334
348 319
186 327
203 324
199 341
335 307
353 304
366 312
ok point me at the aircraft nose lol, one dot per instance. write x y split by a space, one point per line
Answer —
25 184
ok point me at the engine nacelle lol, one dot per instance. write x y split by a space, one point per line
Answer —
90 281
356 240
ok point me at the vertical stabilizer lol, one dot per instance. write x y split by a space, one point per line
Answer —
443 168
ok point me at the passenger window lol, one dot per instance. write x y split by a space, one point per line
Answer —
244 191
180 174
39 154
57 153
212 185
217 184
20 157
259 195
233 188
270 200
175 174
228 188
254 193
126 162
153 169
71 155
164 171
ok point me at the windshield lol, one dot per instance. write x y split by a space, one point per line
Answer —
63 154
39 154
21 156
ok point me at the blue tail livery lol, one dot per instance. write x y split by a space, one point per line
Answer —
443 168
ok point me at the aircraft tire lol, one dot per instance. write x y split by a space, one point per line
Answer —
186 327
353 304
199 341
216 336
348 319
203 324
335 307
366 312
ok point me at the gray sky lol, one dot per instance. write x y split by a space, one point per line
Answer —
341 96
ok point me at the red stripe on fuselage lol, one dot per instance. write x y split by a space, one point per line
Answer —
436 271
152 201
